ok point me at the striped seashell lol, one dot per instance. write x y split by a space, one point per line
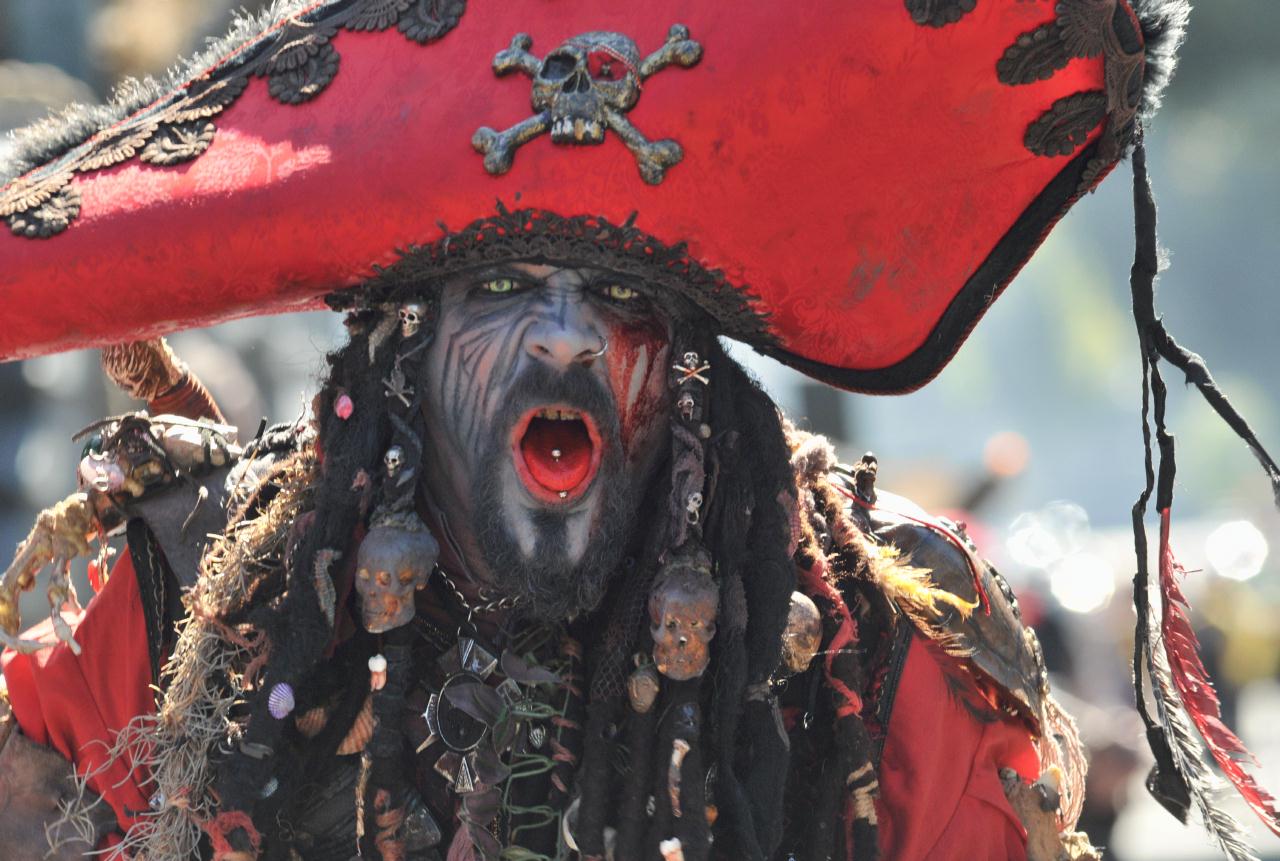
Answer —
361 730
311 723
280 701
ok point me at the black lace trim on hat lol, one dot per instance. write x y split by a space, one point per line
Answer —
939 13
1083 29
294 54
534 234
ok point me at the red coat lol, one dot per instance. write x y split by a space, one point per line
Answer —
940 790
77 704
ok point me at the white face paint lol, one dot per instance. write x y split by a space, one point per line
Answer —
546 407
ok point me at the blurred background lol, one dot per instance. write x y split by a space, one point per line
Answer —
1031 436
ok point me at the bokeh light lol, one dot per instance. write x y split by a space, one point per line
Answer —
1082 582
1006 454
1040 538
1236 550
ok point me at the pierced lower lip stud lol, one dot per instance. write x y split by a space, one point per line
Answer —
555 453
564 494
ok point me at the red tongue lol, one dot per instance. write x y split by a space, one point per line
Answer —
570 439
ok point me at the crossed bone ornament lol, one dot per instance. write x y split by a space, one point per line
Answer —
582 88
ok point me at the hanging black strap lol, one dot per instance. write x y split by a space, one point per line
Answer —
155 583
1158 343
1166 782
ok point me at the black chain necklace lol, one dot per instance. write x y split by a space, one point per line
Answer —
490 603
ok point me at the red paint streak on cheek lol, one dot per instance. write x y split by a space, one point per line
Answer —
629 346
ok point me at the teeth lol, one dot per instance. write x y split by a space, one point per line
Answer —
578 129
560 415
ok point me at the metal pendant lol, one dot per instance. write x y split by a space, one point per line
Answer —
459 770
467 662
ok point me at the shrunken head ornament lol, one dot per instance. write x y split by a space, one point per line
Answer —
393 563
682 611
802 637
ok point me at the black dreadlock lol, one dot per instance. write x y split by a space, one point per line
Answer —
728 443
255 778
748 533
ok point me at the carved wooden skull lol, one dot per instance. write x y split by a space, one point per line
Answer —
682 610
393 562
581 78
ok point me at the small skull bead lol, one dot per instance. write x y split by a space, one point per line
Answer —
682 610
643 686
686 404
393 460
393 562
411 315
803 634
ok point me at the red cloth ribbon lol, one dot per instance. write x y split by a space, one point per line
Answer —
815 583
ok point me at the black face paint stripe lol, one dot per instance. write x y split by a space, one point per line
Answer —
484 352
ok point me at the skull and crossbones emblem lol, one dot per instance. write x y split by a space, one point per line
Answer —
583 88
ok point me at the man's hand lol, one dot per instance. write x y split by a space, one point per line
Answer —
1036 805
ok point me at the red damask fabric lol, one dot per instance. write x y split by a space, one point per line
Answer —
851 168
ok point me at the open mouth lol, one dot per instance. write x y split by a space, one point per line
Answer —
557 452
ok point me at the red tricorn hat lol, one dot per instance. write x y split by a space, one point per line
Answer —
845 185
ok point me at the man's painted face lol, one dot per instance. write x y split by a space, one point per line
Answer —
546 409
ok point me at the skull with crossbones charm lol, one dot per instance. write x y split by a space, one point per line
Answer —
582 88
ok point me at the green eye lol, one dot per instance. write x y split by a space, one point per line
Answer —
619 293
500 285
